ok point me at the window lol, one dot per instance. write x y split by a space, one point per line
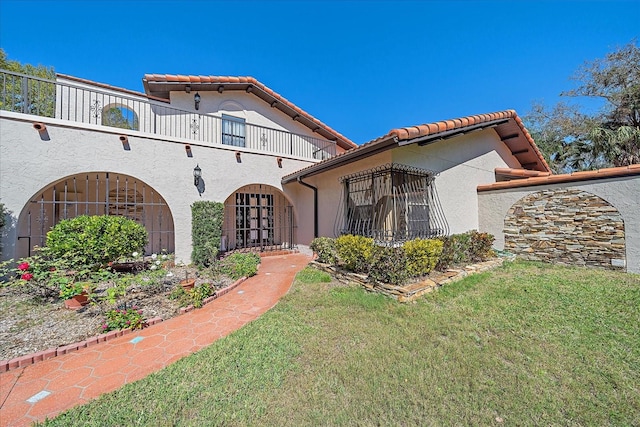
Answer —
391 203
233 131
120 116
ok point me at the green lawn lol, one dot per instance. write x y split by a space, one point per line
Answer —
526 344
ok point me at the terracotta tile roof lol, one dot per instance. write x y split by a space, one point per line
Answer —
413 132
510 173
506 123
161 84
569 177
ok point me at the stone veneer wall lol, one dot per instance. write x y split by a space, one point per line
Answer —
567 226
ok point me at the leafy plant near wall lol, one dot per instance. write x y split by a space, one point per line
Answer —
355 252
206 231
94 241
325 248
396 264
389 265
3 222
464 248
239 265
422 255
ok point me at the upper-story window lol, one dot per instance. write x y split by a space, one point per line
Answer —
119 116
233 131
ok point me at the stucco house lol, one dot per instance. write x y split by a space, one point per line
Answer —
72 146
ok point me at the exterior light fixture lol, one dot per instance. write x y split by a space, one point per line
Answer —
196 99
197 174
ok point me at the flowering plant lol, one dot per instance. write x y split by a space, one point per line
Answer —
38 274
70 289
123 319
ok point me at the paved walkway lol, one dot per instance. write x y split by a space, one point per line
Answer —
47 388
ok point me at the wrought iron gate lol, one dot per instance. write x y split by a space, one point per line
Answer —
96 193
258 217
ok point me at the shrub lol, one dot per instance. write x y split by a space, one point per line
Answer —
481 246
239 265
325 247
206 231
465 248
354 252
422 255
123 319
94 241
388 265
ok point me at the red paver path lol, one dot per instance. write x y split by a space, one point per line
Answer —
47 388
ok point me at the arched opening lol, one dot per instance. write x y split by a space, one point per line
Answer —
120 116
258 217
567 226
96 193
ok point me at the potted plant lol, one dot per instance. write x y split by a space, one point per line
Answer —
187 283
75 294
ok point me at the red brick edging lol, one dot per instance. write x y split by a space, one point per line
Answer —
30 359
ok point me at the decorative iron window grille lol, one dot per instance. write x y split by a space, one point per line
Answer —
391 203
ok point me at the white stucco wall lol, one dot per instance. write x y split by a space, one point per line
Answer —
28 164
622 193
462 163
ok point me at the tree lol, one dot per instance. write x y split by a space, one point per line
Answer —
574 140
115 117
37 96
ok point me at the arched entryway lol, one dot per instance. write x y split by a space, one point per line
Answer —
258 217
96 193
568 226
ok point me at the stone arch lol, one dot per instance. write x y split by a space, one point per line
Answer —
568 226
258 217
96 193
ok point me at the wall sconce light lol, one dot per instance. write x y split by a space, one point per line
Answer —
196 99
197 174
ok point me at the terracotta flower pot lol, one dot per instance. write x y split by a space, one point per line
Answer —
77 302
188 284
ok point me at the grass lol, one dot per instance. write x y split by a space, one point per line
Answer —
527 344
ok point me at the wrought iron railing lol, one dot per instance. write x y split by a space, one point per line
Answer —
86 104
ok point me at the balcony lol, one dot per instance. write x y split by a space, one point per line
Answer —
85 104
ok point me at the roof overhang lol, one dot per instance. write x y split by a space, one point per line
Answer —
506 124
161 85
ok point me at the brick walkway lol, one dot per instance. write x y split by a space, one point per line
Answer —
47 388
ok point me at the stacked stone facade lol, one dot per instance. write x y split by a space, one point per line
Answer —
567 226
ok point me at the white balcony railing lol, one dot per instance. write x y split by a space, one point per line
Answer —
84 104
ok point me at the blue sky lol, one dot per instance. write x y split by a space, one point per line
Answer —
362 67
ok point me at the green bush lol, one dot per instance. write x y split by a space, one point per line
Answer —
239 265
355 252
94 241
422 255
388 265
465 248
481 246
206 231
325 247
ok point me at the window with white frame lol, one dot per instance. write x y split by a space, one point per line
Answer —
233 131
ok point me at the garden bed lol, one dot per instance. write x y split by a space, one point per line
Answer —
415 289
29 325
